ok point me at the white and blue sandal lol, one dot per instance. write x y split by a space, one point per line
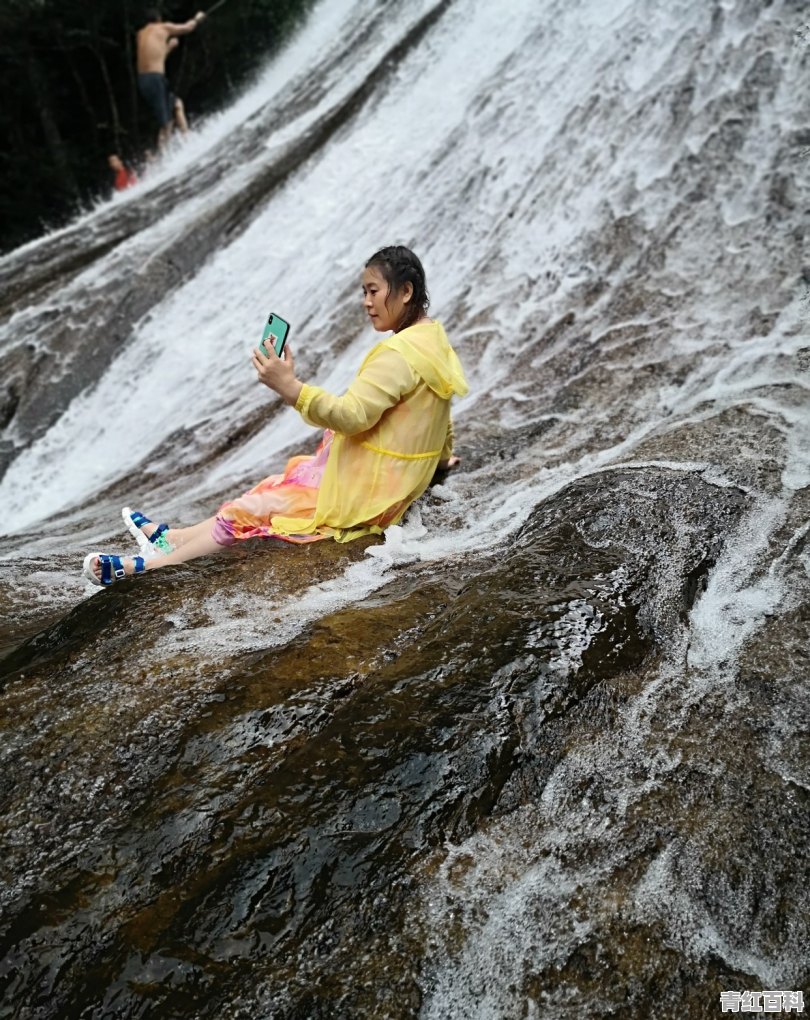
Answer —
112 568
156 542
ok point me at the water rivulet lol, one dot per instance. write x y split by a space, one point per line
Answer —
540 752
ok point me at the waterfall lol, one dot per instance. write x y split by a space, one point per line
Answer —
535 754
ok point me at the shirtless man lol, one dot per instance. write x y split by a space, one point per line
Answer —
156 40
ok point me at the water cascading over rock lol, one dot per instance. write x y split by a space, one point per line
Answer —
539 752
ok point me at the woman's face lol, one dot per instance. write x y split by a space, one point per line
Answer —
375 292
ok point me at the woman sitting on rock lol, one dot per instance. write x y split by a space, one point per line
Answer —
383 439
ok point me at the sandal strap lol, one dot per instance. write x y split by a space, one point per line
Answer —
139 519
154 538
112 567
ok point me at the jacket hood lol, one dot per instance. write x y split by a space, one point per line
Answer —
427 350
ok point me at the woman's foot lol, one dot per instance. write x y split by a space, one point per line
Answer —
150 537
102 569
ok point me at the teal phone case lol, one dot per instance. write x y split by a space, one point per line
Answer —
280 329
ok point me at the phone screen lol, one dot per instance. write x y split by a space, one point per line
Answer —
279 330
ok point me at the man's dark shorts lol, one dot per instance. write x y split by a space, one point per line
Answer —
155 90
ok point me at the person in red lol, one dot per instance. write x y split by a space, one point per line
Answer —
124 177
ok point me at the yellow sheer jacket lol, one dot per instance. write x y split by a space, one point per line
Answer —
392 427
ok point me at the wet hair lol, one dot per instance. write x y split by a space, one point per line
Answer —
151 14
398 265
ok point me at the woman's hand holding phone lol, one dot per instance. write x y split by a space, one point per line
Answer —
277 373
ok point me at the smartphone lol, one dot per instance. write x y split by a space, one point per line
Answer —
276 330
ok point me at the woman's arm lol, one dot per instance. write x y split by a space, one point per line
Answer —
446 458
381 383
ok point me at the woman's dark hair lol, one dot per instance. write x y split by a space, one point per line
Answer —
398 265
152 14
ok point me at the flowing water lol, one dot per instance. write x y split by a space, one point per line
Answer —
543 750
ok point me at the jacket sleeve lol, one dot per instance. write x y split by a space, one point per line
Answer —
382 381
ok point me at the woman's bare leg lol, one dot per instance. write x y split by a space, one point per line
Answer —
179 536
201 543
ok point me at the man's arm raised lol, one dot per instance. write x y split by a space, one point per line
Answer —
186 27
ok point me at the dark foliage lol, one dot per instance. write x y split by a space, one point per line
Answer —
70 95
